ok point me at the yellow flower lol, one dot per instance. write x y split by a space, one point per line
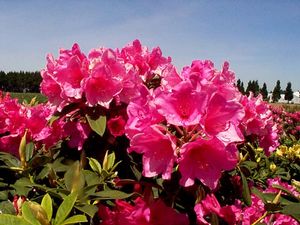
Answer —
289 152
272 167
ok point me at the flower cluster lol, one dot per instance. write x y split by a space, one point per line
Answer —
16 120
100 77
151 212
246 215
259 124
291 153
289 122
255 212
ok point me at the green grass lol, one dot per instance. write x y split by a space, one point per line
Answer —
28 96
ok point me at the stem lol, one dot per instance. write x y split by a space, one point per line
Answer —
260 218
195 136
192 131
178 130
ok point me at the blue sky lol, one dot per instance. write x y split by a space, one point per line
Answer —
260 39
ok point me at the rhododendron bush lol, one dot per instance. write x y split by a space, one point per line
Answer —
127 138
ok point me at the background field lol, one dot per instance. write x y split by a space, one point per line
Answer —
28 96
287 107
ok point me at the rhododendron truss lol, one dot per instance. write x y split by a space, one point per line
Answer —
17 120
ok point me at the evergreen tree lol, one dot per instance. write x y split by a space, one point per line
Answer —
264 92
288 94
242 88
249 87
255 88
276 92
238 84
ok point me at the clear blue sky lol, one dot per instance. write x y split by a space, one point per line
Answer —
260 39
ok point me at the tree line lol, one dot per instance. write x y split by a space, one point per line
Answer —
254 87
20 81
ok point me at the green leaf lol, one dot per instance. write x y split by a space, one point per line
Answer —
58 166
6 219
292 210
269 197
109 161
136 172
52 119
95 165
246 192
44 173
6 207
75 220
74 178
9 160
28 215
98 125
29 151
91 178
111 194
90 210
47 206
65 208
259 194
22 186
22 150
4 195
285 190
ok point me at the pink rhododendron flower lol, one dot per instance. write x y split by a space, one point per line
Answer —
158 151
146 63
200 72
131 85
141 213
105 80
142 113
231 214
277 181
205 160
280 219
116 126
78 132
257 209
220 113
51 88
16 119
258 122
184 106
64 75
170 77
253 212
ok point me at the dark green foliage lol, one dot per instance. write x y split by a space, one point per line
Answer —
276 92
288 95
264 92
253 87
20 81
240 86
